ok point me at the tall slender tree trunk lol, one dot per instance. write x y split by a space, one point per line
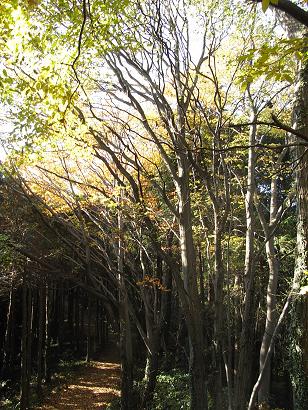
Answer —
26 344
89 330
244 367
227 346
151 368
194 317
29 333
165 313
60 315
41 337
153 328
9 340
219 317
46 354
96 338
125 325
300 308
70 316
77 320
271 316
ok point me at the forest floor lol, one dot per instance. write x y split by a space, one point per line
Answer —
94 386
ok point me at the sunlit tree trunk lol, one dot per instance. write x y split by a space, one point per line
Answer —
243 376
188 257
264 391
273 264
297 300
218 304
300 308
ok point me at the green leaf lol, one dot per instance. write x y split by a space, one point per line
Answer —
288 78
265 4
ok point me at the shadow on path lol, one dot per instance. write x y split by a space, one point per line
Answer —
94 387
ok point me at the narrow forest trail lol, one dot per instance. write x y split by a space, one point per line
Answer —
94 387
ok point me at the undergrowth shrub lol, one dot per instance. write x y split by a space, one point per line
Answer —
172 391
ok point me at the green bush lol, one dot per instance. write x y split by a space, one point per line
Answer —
172 391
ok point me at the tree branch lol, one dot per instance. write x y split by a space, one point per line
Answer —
276 123
291 10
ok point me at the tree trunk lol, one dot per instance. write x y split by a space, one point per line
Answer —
77 321
193 318
29 334
165 312
219 317
41 337
152 331
126 354
151 368
125 324
9 341
299 311
96 336
271 316
26 345
60 315
70 316
197 374
89 330
243 376
253 396
46 354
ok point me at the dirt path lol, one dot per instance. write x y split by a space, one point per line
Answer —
94 387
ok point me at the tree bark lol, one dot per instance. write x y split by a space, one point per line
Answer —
26 344
41 337
9 340
271 316
253 397
151 368
301 304
153 329
89 330
60 315
243 376
219 317
47 334
77 321
125 324
194 320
